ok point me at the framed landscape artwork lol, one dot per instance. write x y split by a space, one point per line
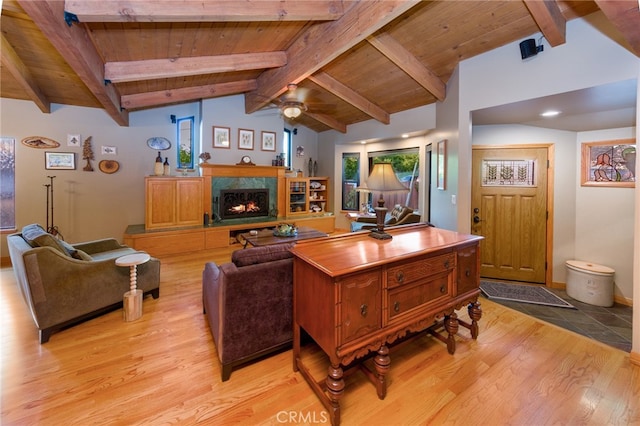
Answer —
59 161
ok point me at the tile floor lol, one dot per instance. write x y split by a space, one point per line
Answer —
611 326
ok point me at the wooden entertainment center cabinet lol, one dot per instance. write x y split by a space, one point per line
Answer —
175 208
354 295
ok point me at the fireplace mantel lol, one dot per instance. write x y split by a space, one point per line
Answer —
213 171
228 170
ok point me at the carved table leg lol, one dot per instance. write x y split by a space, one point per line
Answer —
382 362
451 325
475 313
335 389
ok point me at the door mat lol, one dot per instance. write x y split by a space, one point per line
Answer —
522 293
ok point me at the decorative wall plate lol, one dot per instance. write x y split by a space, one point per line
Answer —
40 142
108 166
158 142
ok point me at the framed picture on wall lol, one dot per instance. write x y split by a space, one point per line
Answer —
268 141
59 160
441 164
221 137
609 163
245 139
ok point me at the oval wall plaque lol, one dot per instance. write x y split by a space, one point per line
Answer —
40 142
158 142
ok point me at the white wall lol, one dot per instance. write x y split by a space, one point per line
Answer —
581 231
587 59
379 137
605 225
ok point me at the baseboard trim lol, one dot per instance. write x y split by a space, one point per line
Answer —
616 298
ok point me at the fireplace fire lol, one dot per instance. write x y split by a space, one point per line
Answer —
241 203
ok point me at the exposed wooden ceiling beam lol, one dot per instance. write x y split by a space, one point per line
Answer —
322 43
405 60
21 73
329 83
550 20
163 97
118 72
329 121
75 46
625 16
204 11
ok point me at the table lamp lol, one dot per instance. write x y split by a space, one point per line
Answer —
383 179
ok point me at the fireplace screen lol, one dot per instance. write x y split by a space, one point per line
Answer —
240 203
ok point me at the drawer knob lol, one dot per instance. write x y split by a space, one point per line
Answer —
363 309
396 306
443 289
467 272
400 276
446 264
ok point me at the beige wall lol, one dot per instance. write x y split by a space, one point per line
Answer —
93 205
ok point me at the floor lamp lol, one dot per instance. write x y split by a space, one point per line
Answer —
383 179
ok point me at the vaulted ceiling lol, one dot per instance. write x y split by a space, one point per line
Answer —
352 60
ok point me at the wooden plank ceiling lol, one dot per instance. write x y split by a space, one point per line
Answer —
352 60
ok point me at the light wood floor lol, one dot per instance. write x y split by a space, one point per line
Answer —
163 369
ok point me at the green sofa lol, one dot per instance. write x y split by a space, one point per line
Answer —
65 284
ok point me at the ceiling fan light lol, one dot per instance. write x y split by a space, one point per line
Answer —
293 109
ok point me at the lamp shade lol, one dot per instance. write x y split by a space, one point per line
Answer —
363 188
384 179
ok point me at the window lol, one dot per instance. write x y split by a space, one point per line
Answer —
7 184
185 143
350 180
405 164
287 142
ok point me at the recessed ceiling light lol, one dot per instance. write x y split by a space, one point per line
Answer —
363 142
551 113
405 135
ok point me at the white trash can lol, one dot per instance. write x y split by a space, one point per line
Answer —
590 283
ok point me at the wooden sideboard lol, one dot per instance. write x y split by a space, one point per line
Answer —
354 295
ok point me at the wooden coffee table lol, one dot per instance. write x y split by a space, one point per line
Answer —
265 237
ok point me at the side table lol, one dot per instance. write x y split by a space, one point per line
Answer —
132 299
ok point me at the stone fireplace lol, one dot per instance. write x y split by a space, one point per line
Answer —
242 203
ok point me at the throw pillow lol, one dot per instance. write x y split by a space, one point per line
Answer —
81 255
36 236
255 255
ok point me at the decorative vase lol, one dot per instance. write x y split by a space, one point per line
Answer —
158 169
310 167
315 168
166 169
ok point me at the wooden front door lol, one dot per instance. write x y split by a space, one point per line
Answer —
509 209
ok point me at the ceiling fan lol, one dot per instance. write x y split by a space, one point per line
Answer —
292 103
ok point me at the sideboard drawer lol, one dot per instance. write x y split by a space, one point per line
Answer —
404 298
468 269
412 271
